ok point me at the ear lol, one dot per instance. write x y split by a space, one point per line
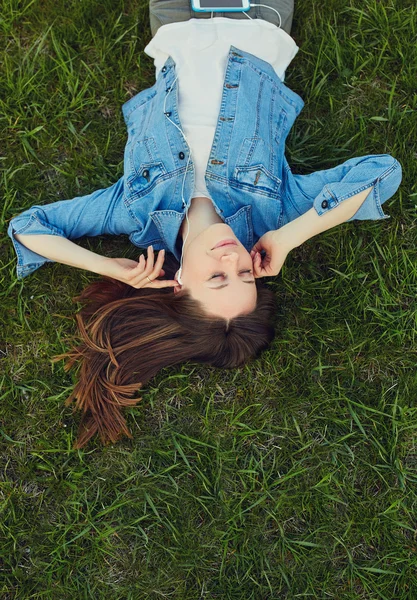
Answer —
178 287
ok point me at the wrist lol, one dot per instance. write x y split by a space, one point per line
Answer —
285 239
101 265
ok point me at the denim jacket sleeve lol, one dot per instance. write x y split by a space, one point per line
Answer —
102 212
381 172
325 190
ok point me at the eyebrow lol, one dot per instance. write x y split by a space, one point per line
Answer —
226 284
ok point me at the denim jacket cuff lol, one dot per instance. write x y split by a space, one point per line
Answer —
30 223
370 209
381 172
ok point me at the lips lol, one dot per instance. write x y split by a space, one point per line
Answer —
229 242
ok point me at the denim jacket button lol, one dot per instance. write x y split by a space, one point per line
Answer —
324 204
163 69
145 174
181 155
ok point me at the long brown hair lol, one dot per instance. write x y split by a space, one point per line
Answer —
129 334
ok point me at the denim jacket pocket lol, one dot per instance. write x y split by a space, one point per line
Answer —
140 184
254 168
256 179
144 169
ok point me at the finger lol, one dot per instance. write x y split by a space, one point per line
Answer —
257 265
158 265
133 273
145 277
258 247
160 261
150 253
254 255
262 268
140 266
162 283
149 262
157 284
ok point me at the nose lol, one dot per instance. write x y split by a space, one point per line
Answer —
230 257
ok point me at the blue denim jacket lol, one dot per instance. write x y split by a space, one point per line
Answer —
248 177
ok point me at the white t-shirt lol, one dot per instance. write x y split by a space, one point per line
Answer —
200 48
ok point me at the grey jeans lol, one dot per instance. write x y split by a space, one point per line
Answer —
162 12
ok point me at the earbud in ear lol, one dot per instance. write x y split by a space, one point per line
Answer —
178 273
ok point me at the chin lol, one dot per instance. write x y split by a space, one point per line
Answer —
219 231
220 225
228 230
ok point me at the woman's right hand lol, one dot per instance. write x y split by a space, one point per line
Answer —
137 273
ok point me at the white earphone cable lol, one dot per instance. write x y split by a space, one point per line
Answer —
183 181
266 6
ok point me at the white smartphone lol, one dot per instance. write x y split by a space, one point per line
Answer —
219 5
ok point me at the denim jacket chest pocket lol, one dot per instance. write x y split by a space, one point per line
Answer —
145 167
254 170
143 164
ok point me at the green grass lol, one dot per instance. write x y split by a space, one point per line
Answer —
293 477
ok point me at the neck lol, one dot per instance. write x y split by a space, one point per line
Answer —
201 215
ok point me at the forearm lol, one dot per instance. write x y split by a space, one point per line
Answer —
310 223
64 251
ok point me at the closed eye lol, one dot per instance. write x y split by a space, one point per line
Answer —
222 274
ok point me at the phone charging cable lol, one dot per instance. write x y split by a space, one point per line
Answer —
266 6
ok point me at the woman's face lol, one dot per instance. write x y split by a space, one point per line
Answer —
217 270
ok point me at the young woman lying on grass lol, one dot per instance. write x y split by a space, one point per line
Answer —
206 179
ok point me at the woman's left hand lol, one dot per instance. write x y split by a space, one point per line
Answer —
137 274
275 252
